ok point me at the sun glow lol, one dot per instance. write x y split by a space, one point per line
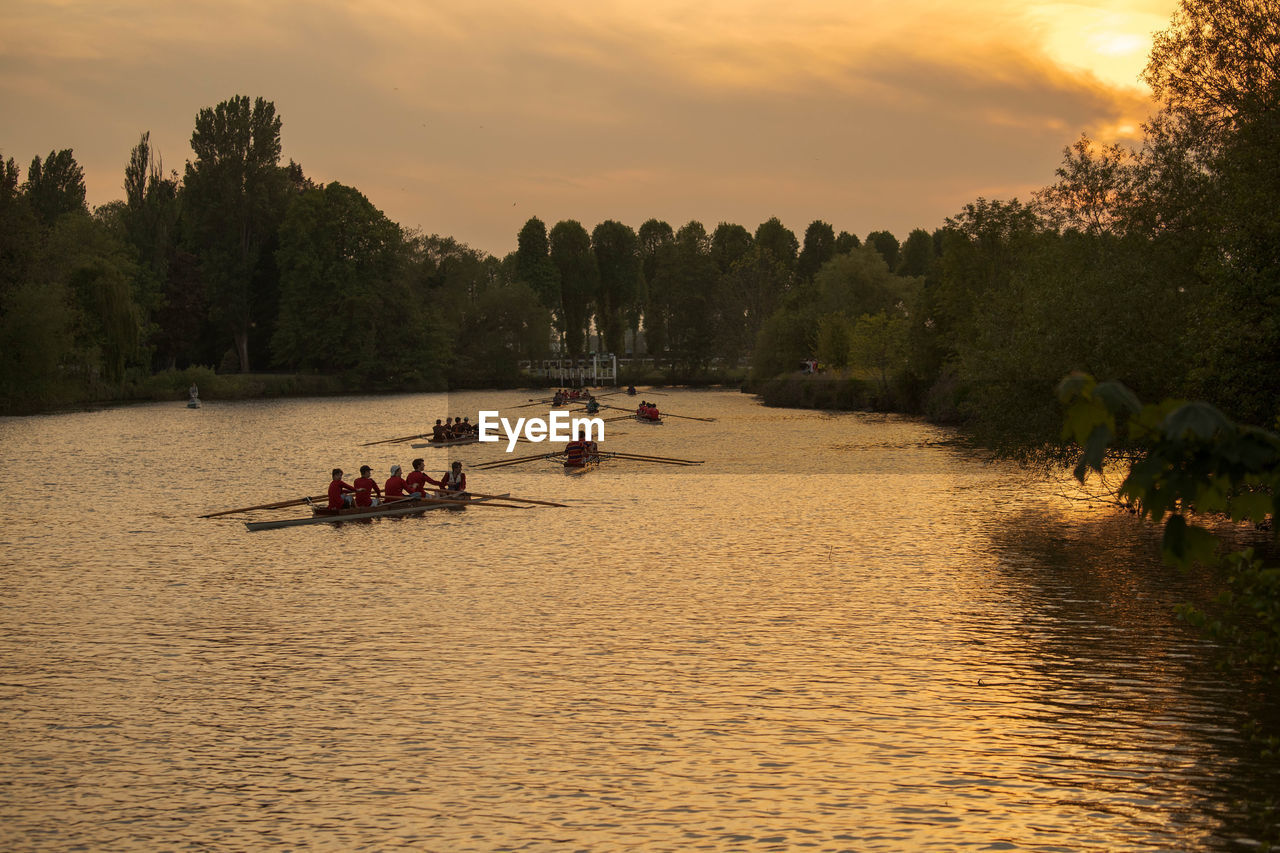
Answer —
1112 45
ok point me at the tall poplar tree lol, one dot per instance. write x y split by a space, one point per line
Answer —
618 259
571 254
235 194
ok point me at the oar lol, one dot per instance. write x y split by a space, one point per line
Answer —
277 505
491 466
521 500
499 463
644 458
663 414
394 440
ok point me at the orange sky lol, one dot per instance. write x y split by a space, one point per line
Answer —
465 119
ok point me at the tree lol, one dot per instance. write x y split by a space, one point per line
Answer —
56 186
877 342
860 283
691 277
570 252
1094 191
887 245
655 238
834 340
234 194
729 244
534 266
846 243
345 302
1218 62
150 220
917 254
776 239
616 249
819 247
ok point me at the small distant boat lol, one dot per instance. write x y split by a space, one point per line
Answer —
193 403
642 419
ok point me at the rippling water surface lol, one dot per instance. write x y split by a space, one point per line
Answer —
840 633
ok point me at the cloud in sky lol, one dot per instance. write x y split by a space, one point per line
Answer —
467 119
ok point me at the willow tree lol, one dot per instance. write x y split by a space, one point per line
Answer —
234 195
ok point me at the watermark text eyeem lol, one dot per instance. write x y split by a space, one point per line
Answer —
560 427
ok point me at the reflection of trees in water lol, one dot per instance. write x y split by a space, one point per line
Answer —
1099 615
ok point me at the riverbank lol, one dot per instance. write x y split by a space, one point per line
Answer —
175 384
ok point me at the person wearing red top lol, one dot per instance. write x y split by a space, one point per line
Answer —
454 481
337 490
394 488
366 487
416 483
575 453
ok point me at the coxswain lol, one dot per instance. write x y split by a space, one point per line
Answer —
557 399
416 483
366 487
593 405
454 482
631 390
339 491
394 488
438 432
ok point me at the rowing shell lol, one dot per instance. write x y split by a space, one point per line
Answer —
323 516
654 421
587 465
453 442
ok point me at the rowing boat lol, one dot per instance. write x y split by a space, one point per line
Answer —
323 515
453 442
644 420
581 467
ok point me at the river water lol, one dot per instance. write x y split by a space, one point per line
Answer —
841 632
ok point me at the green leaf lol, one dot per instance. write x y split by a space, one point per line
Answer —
1095 448
1117 398
1083 417
1251 506
1197 419
1184 543
1076 384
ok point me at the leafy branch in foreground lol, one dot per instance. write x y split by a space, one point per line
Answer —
1188 457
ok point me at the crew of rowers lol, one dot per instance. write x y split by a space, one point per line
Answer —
579 452
568 395
365 492
452 429
648 411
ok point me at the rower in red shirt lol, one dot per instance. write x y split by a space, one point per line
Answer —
337 490
575 453
394 489
454 482
416 483
366 487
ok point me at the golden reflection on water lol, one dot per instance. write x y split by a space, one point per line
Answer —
838 633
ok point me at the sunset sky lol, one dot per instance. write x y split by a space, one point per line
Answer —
465 119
